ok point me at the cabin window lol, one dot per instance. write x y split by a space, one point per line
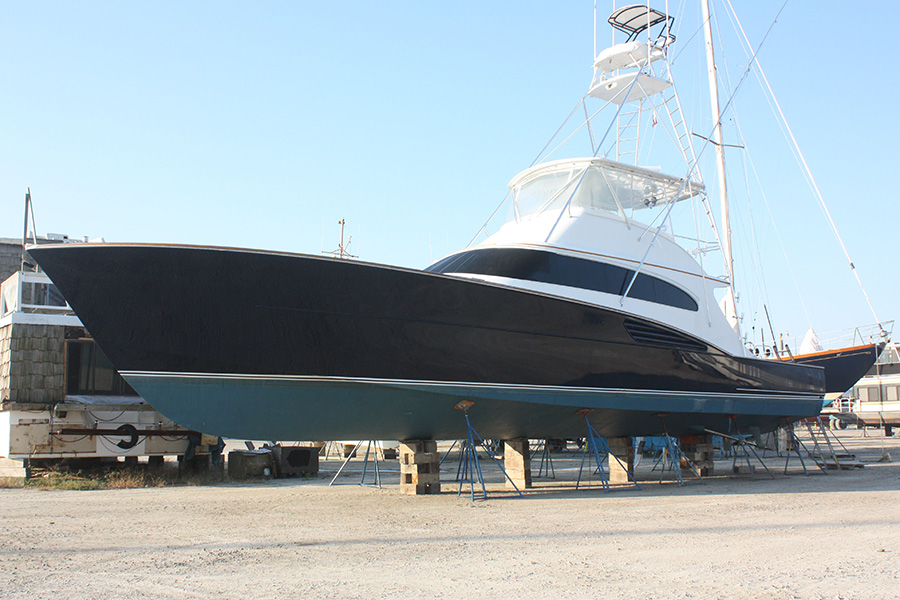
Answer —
547 267
893 393
868 394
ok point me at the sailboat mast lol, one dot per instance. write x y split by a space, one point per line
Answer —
720 155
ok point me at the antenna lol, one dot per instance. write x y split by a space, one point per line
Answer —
342 249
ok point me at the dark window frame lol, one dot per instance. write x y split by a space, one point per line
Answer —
549 267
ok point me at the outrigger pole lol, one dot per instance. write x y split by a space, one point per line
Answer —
720 161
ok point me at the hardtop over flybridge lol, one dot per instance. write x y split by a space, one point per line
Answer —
575 230
586 299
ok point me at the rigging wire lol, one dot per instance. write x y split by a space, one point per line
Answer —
808 173
703 198
599 146
705 145
686 44
755 257
483 228
596 150
747 159
778 236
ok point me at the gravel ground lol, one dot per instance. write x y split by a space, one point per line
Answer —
831 535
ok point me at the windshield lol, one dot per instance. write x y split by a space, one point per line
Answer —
594 185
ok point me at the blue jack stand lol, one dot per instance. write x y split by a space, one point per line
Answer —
373 448
796 446
594 444
546 466
447 454
746 447
469 470
672 458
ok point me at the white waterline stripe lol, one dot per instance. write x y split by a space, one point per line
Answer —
742 392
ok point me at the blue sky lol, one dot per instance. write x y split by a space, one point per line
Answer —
263 124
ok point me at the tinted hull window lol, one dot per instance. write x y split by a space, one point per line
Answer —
547 267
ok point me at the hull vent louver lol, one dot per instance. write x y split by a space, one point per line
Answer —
644 333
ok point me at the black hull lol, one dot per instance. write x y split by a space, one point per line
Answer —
844 367
210 311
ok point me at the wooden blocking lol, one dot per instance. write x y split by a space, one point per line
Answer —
699 450
622 470
743 470
517 463
419 467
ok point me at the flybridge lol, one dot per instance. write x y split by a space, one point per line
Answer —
596 184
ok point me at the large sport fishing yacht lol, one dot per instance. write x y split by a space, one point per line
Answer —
584 301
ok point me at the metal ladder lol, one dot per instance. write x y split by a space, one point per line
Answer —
676 119
628 128
824 452
628 134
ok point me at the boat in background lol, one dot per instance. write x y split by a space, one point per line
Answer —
844 364
875 399
584 302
